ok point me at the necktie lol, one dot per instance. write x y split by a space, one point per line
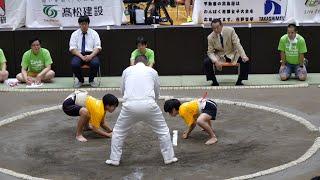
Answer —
83 45
221 41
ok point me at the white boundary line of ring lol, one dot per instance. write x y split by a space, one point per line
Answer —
302 85
16 118
311 151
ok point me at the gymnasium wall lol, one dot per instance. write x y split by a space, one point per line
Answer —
179 50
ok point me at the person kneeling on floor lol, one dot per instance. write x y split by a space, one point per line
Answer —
292 47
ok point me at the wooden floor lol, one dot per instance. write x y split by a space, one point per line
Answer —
177 14
180 17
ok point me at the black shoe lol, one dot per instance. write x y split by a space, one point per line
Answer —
239 83
215 84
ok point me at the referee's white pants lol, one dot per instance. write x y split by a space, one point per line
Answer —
147 111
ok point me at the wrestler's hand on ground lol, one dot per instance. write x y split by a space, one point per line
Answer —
185 135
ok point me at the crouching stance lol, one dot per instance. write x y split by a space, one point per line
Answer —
199 111
91 112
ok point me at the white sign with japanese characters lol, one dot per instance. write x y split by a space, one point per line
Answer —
240 11
304 11
65 13
12 13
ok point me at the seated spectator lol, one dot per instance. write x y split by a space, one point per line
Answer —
85 45
224 46
36 64
292 47
3 67
142 50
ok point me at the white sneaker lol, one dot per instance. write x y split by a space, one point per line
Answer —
112 162
78 84
173 160
94 84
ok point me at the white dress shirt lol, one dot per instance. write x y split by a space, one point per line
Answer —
140 82
92 40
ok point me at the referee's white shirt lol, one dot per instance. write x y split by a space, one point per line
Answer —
140 82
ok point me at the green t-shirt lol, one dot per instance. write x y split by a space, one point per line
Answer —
2 59
292 49
36 63
149 54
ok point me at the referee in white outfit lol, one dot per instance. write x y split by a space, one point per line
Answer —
140 88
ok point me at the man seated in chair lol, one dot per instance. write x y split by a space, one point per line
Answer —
36 64
85 45
292 47
224 46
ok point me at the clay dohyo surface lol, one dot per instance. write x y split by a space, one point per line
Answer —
249 141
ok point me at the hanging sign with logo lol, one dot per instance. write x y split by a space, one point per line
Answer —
304 11
240 11
57 13
12 13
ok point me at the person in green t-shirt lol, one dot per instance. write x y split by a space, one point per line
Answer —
292 47
36 64
142 50
3 67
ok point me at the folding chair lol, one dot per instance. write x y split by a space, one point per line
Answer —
87 68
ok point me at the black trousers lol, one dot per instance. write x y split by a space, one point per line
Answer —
210 72
76 64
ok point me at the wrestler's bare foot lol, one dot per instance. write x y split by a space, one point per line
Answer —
81 138
211 141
